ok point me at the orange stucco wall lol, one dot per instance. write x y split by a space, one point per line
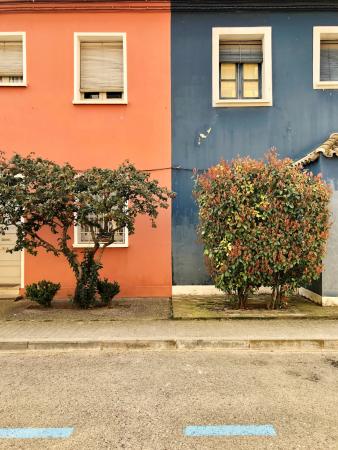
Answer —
41 118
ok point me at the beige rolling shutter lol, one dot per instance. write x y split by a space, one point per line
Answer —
328 61
101 67
11 59
241 51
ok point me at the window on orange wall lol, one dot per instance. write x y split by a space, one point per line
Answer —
100 68
83 236
12 59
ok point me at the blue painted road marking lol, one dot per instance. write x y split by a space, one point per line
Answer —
230 430
35 433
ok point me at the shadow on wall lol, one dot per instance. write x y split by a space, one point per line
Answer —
327 285
188 267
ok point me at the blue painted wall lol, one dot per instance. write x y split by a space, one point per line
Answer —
299 120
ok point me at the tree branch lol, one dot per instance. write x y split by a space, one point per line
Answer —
44 243
69 254
110 242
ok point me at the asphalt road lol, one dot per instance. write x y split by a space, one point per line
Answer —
144 400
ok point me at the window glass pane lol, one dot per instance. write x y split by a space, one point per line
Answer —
250 71
15 79
85 235
228 89
114 94
228 71
250 89
92 95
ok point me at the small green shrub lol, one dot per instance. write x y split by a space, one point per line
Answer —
42 292
107 290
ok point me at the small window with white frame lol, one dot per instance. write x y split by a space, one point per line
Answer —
12 59
100 68
242 67
83 236
325 57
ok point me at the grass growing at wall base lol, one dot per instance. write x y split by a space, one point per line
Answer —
215 307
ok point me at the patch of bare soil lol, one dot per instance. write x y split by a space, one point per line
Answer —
121 309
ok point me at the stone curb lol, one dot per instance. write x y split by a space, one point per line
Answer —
259 317
175 344
234 317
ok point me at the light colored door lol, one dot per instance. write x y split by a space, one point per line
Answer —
10 263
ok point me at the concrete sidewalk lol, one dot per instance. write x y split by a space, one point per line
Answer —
253 334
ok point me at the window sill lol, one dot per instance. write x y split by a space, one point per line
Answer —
100 102
13 84
241 103
326 85
92 245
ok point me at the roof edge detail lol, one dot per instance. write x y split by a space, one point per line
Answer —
329 148
9 6
19 6
233 5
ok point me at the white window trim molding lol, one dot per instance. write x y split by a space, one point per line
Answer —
22 268
10 35
77 244
249 33
320 33
180 290
78 37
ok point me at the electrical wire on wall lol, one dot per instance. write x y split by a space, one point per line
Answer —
158 169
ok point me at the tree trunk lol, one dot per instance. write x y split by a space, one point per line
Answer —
279 297
271 304
242 298
86 281
276 297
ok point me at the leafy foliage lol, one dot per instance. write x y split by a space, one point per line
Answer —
45 200
107 290
42 292
263 223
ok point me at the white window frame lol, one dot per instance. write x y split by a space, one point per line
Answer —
245 33
78 244
12 36
78 37
319 34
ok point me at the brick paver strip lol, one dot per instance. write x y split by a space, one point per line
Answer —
255 335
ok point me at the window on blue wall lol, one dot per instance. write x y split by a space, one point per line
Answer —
240 69
328 60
